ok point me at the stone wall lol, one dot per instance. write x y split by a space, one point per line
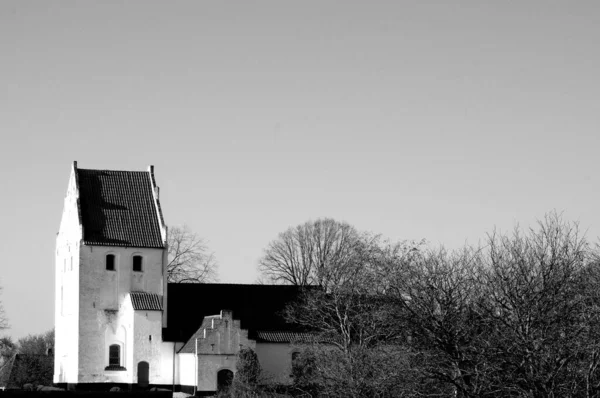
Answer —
217 349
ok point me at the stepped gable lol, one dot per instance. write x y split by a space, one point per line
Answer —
258 307
118 208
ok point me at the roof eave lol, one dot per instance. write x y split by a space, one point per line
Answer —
79 217
156 196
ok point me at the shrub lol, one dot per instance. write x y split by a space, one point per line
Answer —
246 380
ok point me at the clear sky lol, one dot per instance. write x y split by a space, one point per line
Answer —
413 119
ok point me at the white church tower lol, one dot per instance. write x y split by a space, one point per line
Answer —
111 256
111 299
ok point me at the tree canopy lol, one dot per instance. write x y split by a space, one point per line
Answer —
516 316
37 344
308 254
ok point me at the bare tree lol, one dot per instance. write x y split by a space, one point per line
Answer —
437 292
3 318
308 253
379 371
540 299
360 346
37 344
189 258
518 317
354 310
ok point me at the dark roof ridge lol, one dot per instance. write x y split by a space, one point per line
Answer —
30 355
256 306
242 284
111 170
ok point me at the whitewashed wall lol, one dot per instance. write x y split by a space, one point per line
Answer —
187 369
67 261
149 347
105 307
93 309
276 361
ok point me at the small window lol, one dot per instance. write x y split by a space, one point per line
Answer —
137 263
114 358
110 262
114 355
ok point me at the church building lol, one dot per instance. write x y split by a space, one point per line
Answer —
118 321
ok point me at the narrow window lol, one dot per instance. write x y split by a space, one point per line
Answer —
110 262
137 263
114 355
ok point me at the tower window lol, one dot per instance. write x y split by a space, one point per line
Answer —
137 263
114 355
114 358
110 262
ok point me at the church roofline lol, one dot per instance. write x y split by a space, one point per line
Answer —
119 208
76 177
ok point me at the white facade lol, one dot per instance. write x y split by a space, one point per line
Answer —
101 337
66 357
94 311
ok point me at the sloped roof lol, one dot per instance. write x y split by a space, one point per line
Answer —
146 301
258 307
190 346
285 337
118 208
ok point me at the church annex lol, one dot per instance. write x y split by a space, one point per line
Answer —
117 319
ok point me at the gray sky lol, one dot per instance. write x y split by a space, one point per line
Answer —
413 119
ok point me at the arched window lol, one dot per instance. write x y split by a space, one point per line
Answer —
137 263
110 262
224 379
114 355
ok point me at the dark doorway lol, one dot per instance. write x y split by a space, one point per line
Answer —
224 379
143 374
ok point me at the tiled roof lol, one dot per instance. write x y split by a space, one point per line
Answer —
285 337
146 301
190 346
258 307
118 208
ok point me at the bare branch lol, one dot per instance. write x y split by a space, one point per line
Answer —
189 258
3 318
308 254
